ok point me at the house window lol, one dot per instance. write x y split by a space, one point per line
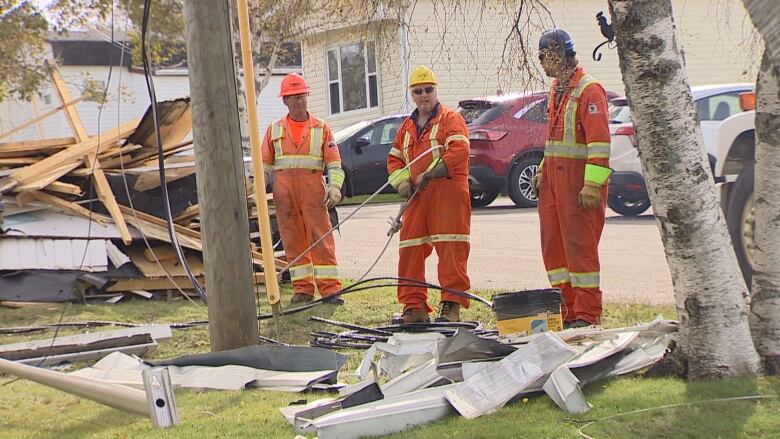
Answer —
352 78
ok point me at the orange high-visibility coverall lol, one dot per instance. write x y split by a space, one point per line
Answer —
299 193
440 216
577 147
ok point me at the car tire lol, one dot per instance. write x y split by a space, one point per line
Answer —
520 190
740 219
482 198
628 207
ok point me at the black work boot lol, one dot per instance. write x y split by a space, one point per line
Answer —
577 324
414 315
301 298
449 312
333 300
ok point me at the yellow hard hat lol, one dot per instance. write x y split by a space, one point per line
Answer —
422 75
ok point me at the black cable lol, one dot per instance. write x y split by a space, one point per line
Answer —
161 155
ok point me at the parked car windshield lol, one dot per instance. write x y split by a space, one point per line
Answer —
480 112
618 111
346 132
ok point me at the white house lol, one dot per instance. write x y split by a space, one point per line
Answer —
360 72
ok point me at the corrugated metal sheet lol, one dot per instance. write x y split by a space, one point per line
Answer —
53 254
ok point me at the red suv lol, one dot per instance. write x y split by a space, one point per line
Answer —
507 134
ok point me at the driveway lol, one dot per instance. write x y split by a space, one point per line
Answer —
506 255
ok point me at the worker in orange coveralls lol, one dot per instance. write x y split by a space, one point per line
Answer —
572 180
439 215
298 147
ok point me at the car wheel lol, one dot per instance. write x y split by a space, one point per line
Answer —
626 207
520 186
482 198
741 221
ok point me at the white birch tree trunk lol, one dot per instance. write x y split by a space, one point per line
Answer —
709 289
765 300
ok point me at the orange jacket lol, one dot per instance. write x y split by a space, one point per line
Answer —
591 126
317 149
447 129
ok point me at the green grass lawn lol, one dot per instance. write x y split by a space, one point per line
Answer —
29 410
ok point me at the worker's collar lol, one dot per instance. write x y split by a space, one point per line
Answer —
311 120
416 113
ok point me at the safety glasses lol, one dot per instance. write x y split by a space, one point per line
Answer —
429 89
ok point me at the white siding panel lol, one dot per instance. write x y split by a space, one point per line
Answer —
53 254
270 106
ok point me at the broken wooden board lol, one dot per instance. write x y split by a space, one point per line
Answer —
171 265
70 156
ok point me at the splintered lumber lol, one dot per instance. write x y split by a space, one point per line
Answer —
187 215
65 188
66 157
102 187
65 205
48 178
157 228
28 147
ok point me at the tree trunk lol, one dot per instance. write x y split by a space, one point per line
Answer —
709 288
765 15
765 301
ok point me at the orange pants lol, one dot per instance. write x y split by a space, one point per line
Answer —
570 238
303 219
437 218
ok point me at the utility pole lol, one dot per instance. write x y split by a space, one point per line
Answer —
220 175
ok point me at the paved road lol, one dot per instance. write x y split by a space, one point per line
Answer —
505 252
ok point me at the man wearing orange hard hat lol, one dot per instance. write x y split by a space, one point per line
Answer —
299 147
438 215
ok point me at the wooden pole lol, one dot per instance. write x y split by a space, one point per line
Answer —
220 175
266 242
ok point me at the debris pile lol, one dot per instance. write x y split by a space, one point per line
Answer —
422 377
84 217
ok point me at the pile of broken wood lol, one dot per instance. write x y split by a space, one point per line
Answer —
84 215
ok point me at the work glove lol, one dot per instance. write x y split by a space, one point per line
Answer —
332 196
438 171
405 189
590 196
536 180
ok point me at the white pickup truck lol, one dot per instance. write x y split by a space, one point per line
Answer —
734 168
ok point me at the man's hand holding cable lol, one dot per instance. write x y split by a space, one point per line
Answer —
438 171
590 195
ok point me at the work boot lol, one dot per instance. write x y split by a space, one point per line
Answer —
577 324
301 298
333 300
449 312
413 315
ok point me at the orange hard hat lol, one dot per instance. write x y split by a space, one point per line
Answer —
293 84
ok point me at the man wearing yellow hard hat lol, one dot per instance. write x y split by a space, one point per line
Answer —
439 214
